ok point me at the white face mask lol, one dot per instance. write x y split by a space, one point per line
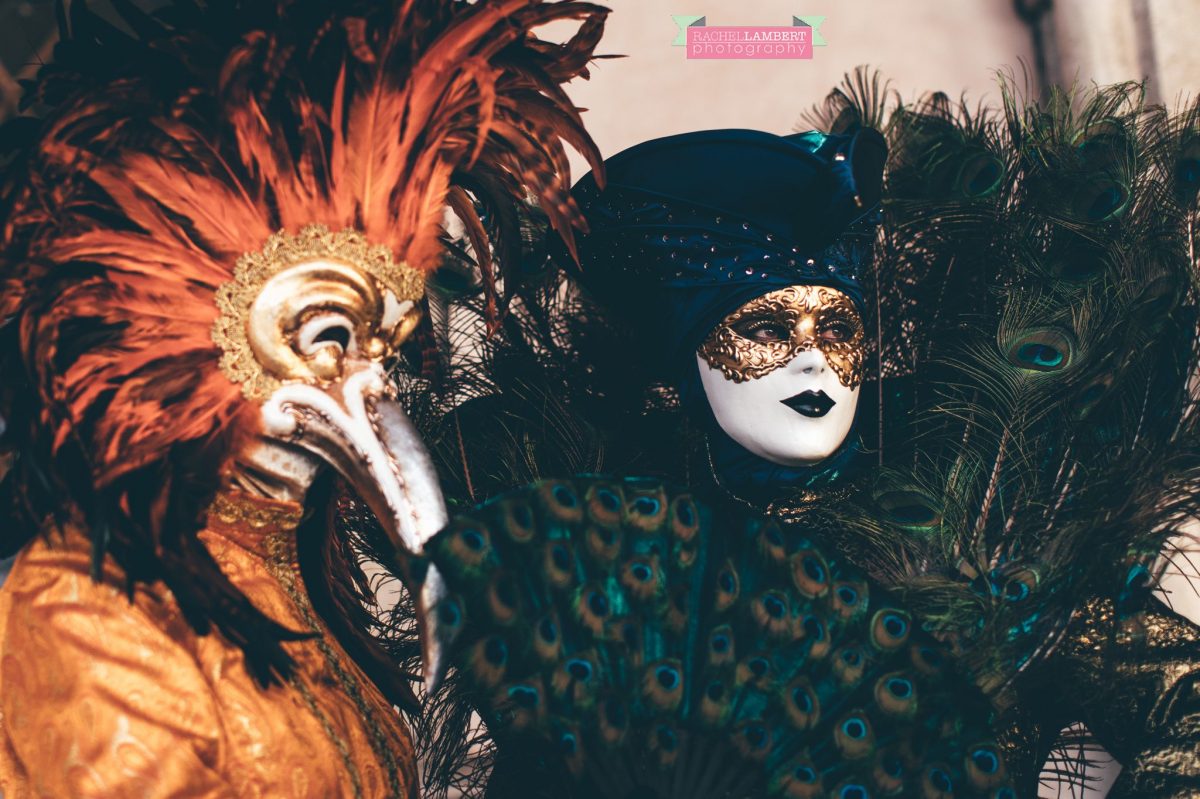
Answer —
782 373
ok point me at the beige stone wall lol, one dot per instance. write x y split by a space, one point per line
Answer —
951 45
1114 40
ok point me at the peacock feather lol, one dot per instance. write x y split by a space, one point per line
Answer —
628 640
1035 436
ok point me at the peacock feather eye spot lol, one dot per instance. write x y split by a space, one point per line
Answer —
1041 350
715 691
667 677
726 582
756 735
895 625
985 760
686 513
1006 793
848 595
813 628
523 696
1040 355
980 176
565 496
567 744
667 740
899 688
1015 591
774 538
931 656
579 670
908 508
774 605
523 515
814 570
472 539
851 657
496 651
1106 202
607 536
548 630
758 666
853 792
646 506
598 603
854 728
941 780
608 500
720 643
804 774
802 699
641 572
893 766
561 558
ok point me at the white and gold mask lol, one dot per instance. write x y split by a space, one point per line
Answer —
782 373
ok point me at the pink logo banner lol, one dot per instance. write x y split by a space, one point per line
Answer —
753 42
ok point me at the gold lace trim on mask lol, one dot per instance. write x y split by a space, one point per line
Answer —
804 311
282 250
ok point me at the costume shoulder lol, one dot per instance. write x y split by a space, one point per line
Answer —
1139 693
119 704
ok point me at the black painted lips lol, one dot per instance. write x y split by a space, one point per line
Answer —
810 403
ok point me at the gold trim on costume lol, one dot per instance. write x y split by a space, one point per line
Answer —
235 511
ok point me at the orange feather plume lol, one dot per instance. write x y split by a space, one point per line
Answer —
152 162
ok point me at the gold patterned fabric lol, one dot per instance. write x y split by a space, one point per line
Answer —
103 695
1152 724
1135 687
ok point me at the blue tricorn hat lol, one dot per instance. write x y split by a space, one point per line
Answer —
688 228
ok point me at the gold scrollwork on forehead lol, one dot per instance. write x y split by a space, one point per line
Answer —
808 313
291 279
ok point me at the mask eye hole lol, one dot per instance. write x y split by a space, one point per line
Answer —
836 332
325 331
334 333
763 330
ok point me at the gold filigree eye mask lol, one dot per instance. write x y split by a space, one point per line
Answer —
767 332
296 308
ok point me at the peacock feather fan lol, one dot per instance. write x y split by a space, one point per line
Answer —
623 639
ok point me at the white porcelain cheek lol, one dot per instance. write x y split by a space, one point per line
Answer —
753 415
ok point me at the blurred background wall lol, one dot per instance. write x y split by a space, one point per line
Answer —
955 46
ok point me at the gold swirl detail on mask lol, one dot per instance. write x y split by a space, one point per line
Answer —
766 333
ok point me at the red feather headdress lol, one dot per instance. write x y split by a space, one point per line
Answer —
153 161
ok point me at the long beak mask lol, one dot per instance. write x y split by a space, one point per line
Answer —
307 326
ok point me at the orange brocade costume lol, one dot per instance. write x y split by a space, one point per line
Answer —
104 697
